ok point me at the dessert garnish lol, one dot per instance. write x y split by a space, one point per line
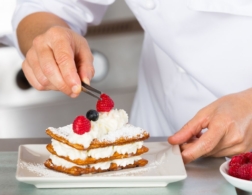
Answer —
92 115
105 104
81 125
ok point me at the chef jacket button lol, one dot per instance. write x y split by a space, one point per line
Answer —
147 4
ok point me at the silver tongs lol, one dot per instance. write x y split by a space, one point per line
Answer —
87 89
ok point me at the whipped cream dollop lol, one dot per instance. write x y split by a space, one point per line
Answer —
106 123
109 122
64 150
103 165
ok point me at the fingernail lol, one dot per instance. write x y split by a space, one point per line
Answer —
76 89
86 80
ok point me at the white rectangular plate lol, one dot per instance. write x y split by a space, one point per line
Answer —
165 166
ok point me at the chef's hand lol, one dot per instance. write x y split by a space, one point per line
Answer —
228 121
58 60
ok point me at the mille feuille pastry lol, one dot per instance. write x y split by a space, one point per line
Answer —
101 141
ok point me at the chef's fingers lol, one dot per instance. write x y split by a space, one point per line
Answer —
184 146
231 145
205 144
30 76
56 57
234 137
188 144
34 74
222 145
84 59
33 63
64 51
51 71
231 151
191 129
199 134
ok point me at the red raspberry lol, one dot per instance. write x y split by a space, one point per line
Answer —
245 171
105 104
239 159
81 125
233 170
248 157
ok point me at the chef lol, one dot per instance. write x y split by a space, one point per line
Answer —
195 72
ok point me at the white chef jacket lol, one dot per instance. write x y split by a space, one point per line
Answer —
194 52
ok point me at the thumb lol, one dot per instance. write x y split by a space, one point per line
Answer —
189 130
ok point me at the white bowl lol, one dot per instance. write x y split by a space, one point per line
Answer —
239 183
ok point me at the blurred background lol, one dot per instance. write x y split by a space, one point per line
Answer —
116 45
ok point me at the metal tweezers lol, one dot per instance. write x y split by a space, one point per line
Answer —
87 89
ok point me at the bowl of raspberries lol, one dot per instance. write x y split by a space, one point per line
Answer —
238 171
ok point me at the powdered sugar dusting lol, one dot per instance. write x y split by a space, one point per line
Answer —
64 132
127 131
39 169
